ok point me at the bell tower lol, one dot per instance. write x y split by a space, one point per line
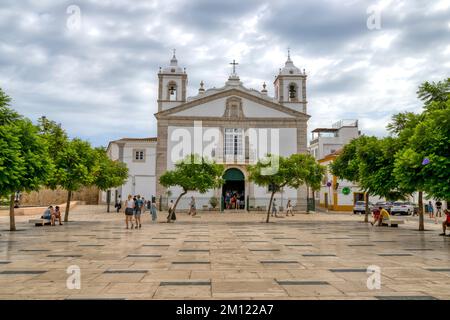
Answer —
172 85
290 86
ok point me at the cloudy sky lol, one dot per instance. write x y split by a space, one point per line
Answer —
99 78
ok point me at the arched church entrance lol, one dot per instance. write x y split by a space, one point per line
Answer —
234 186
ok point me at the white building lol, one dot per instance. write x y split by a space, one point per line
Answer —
326 141
140 157
233 125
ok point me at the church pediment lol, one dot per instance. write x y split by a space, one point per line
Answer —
232 104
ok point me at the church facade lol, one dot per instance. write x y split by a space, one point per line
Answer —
232 125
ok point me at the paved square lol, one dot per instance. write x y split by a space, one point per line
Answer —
223 256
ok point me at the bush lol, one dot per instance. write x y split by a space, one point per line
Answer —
213 202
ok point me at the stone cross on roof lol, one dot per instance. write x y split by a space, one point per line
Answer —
234 63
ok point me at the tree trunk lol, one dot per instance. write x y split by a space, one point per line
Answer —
12 218
366 216
307 199
169 218
108 200
421 224
270 206
314 199
66 215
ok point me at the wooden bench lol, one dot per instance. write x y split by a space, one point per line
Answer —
392 223
41 222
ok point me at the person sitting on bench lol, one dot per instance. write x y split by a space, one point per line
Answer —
384 215
56 215
446 222
48 213
376 216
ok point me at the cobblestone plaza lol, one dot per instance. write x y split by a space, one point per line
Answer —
222 256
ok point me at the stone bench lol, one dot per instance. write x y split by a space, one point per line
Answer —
40 222
392 223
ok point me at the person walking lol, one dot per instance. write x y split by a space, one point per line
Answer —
118 204
153 210
193 209
129 211
439 208
139 204
430 209
144 205
227 200
289 209
274 208
171 216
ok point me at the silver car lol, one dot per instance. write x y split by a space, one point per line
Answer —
360 207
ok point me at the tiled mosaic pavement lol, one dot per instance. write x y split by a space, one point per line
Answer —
222 256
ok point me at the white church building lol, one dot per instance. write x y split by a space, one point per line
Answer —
233 125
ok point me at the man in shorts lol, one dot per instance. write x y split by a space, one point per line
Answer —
438 208
446 222
138 205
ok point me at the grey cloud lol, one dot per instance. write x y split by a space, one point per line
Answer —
93 84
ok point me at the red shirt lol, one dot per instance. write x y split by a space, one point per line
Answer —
376 213
448 216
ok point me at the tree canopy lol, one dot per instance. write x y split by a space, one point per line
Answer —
109 173
194 173
293 171
24 161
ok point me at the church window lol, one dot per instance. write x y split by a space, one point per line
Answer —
233 142
138 155
292 92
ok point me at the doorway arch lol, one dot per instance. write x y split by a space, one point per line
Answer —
234 185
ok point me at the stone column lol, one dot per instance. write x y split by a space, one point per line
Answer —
302 148
161 155
121 146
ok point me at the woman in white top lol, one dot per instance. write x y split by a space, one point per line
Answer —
289 208
129 211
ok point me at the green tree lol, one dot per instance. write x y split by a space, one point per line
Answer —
54 134
273 172
369 162
434 93
347 166
278 172
193 173
7 115
402 124
424 164
75 167
24 161
313 175
109 173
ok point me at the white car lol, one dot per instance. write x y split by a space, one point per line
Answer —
402 208
360 207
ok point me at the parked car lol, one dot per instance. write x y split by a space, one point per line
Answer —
402 208
385 205
360 207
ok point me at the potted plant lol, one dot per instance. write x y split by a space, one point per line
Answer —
213 201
